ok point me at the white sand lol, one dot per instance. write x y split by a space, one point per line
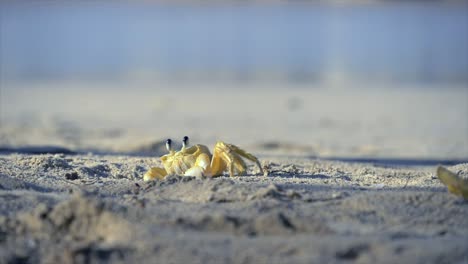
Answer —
95 208
58 208
402 122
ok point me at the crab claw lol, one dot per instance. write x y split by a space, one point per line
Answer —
155 173
200 167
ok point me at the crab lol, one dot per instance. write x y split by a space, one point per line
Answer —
197 161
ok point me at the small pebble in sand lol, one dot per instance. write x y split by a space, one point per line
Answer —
72 176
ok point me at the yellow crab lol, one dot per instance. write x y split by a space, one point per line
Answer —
198 161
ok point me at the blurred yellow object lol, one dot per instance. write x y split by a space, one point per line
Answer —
454 183
198 161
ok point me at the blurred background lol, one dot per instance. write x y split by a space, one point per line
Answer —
326 79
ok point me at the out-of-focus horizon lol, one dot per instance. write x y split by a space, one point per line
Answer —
374 79
298 43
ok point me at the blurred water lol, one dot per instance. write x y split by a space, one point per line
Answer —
417 43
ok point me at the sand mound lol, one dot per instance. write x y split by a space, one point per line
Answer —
77 226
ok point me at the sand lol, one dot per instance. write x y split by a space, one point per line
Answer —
342 184
382 122
88 209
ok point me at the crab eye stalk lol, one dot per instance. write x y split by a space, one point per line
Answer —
185 142
169 144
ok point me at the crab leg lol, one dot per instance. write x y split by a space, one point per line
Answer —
224 156
155 173
247 155
218 162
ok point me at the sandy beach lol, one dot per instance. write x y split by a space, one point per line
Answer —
353 109
349 176
90 209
